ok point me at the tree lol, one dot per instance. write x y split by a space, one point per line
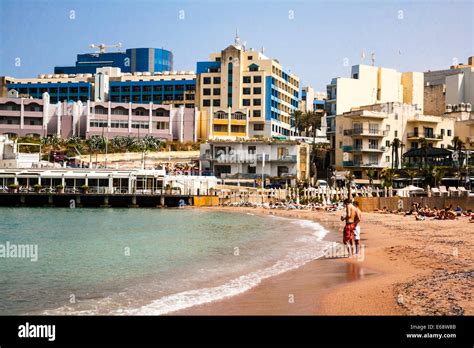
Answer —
438 175
387 175
424 150
95 143
297 115
396 145
411 173
371 175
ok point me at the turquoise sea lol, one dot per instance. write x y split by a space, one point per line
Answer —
143 261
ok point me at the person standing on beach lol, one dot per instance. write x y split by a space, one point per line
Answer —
348 232
357 228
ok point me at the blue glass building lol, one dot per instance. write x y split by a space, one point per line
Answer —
132 60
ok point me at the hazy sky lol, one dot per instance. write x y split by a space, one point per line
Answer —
317 40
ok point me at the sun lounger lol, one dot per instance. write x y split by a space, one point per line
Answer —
453 192
435 192
443 191
463 192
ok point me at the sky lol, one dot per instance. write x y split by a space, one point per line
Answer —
316 40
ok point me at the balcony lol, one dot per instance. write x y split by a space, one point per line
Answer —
365 132
287 158
370 148
427 136
361 164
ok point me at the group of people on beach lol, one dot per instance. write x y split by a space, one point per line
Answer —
422 212
351 231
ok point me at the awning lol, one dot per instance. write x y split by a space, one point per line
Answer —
367 182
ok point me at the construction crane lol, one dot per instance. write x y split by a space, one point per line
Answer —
102 47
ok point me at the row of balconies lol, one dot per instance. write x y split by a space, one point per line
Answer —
237 158
356 164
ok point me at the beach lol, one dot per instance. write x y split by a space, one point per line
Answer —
408 267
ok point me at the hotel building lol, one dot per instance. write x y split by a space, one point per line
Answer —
369 85
40 117
252 159
245 94
365 135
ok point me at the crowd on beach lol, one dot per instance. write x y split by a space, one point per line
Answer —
423 212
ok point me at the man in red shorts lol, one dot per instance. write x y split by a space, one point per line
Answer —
352 215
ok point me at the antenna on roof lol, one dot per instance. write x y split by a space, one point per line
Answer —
373 58
263 49
362 56
102 47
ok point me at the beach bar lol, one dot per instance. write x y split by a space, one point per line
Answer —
100 187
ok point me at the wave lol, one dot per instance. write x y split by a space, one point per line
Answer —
313 248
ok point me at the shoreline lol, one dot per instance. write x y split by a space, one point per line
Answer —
400 264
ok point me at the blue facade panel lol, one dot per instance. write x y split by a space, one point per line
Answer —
203 67
268 98
134 59
58 92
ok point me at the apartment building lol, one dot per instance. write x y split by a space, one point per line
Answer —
453 86
40 117
365 135
250 159
246 94
369 85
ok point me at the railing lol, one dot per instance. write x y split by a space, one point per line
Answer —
421 135
361 131
287 158
349 148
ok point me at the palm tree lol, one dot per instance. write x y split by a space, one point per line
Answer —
411 173
95 144
297 115
395 145
371 175
424 149
458 145
387 175
438 175
349 178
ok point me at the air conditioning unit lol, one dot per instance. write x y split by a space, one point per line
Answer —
468 107
462 107
449 108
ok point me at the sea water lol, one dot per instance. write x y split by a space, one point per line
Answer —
144 261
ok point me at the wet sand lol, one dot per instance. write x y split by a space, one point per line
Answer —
408 267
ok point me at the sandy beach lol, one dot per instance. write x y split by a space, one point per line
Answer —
408 267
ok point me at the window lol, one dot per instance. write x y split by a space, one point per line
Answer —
246 79
258 127
257 113
449 132
206 102
217 80
252 149
387 158
136 89
216 91
251 169
442 132
216 102
442 146
257 102
206 80
246 91
373 144
162 125
387 143
257 90
206 91
257 79
246 102
387 127
250 57
396 134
